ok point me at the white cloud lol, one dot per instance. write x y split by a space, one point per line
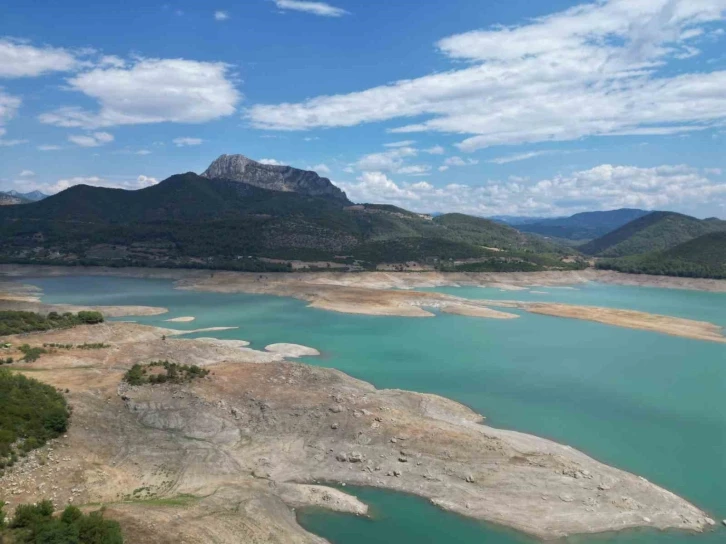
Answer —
112 61
95 139
18 59
49 147
458 161
182 142
11 143
521 156
404 143
712 171
221 15
27 174
321 168
443 168
151 91
143 152
595 69
386 161
435 150
315 8
414 170
9 106
114 182
270 162
604 187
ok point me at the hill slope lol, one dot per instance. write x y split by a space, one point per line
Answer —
189 220
703 257
582 226
657 231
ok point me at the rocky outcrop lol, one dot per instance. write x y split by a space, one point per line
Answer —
273 177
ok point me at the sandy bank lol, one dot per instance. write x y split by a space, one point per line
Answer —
674 326
292 350
242 446
181 320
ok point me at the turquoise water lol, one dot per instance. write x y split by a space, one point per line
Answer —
647 403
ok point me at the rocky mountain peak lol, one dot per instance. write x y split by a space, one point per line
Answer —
273 177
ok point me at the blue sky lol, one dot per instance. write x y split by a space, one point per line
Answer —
497 107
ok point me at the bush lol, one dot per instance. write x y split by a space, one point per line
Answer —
36 524
31 413
90 318
173 373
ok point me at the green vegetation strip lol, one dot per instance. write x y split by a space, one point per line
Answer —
18 322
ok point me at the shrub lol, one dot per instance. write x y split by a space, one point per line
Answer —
36 524
31 413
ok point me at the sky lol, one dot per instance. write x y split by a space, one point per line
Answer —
486 107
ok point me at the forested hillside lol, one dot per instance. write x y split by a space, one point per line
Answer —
703 257
658 231
189 220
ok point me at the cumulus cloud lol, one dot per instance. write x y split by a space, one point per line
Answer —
435 150
321 168
150 91
183 142
26 174
221 15
49 147
604 187
18 59
270 162
96 139
115 182
594 69
386 161
315 8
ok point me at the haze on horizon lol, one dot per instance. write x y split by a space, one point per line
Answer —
515 109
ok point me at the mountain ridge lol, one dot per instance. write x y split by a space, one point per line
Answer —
273 177
581 226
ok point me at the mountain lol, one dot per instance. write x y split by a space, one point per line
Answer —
581 226
32 196
517 220
657 231
273 177
703 257
190 220
10 199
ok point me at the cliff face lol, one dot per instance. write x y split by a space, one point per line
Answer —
275 178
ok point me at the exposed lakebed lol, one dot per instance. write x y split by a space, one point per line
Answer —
641 401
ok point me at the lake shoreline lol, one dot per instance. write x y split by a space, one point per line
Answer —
392 294
266 429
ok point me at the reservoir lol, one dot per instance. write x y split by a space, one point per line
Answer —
644 402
